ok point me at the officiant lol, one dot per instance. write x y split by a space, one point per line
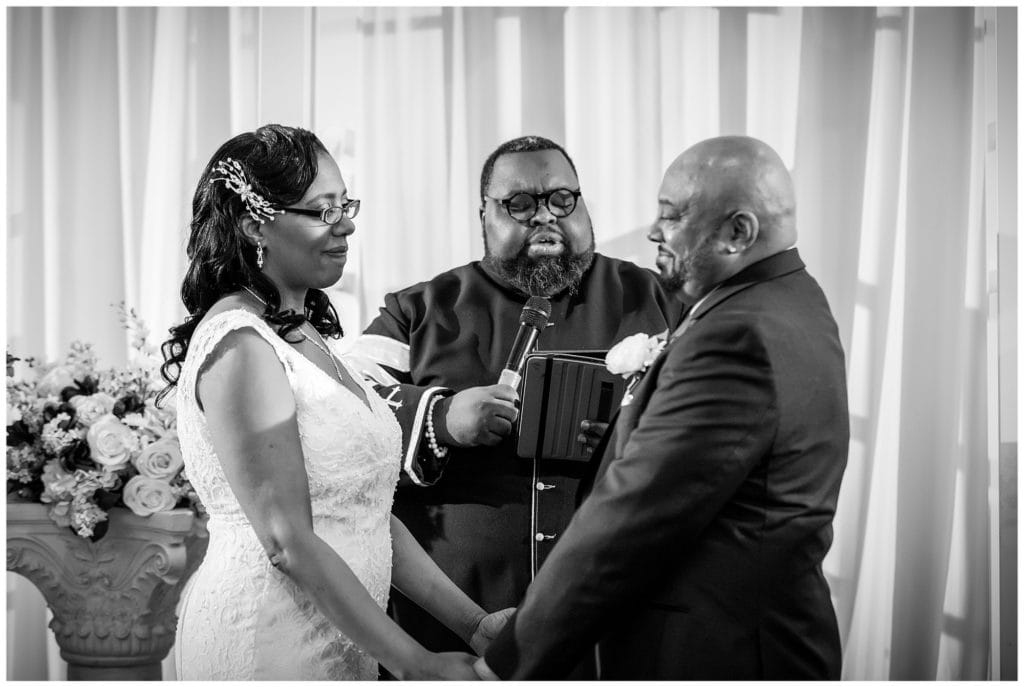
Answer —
486 516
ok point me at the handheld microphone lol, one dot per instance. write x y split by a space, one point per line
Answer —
532 321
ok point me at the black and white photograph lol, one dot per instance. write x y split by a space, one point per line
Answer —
549 342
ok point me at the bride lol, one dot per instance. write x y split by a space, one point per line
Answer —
294 457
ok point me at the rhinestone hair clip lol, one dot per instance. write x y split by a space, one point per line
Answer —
234 178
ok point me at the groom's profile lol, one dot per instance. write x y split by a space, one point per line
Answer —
697 554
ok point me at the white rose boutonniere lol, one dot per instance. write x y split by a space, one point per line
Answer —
632 356
146 495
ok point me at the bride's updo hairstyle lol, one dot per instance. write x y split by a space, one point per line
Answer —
280 164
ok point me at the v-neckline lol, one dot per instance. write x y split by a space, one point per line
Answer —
364 401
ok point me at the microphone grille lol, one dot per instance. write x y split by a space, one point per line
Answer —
536 312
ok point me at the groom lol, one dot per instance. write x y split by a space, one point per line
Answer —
698 553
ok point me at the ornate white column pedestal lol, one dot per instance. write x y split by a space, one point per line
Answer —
114 600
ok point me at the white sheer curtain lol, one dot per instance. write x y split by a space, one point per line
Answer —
895 123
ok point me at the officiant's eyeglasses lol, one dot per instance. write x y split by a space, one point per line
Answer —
523 206
331 215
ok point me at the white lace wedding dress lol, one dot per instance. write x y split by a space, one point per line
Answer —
241 619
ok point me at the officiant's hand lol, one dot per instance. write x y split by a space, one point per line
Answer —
488 628
591 432
480 415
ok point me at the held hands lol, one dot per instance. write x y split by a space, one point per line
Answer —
484 671
452 665
459 666
591 432
488 628
481 415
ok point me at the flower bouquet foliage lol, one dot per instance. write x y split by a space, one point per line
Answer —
83 440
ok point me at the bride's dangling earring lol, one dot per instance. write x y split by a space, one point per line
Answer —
259 255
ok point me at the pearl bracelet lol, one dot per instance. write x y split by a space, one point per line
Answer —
439 451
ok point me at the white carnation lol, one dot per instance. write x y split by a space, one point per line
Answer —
58 483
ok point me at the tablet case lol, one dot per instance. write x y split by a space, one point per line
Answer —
561 389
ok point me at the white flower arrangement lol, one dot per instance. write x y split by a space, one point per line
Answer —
633 355
84 440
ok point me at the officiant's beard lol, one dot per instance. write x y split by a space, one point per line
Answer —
543 276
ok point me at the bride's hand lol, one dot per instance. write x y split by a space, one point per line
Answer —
488 628
453 665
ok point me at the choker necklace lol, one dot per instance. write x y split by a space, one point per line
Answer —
322 344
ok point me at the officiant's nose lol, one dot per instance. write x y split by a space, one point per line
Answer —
542 216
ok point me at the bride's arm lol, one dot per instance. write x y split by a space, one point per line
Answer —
417 576
250 410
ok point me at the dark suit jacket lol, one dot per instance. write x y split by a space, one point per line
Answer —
698 553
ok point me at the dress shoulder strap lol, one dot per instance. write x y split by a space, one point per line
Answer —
211 332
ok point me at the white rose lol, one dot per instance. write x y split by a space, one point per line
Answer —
160 460
13 414
145 495
54 381
110 441
91 408
627 357
655 345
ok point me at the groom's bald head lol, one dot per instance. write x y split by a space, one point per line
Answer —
724 203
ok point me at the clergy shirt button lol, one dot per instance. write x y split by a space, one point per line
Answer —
541 486
540 536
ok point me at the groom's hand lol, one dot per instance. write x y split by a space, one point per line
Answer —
488 629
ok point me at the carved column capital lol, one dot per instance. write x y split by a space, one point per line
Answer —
114 600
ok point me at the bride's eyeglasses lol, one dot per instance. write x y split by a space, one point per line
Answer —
331 215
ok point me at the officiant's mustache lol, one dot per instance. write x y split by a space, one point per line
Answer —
548 230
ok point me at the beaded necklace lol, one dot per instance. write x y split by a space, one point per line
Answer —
322 345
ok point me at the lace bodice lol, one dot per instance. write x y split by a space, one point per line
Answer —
243 619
